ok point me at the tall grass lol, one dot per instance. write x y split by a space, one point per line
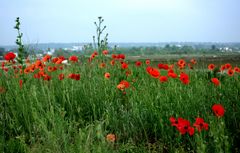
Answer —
76 116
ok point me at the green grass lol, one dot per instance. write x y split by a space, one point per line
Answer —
75 116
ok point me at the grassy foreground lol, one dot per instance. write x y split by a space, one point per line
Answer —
116 106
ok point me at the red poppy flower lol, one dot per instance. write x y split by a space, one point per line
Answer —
124 65
111 137
181 63
228 66
77 77
185 127
102 65
73 58
174 121
236 69
61 76
105 52
37 76
95 53
121 56
147 62
71 76
50 68
153 72
114 56
54 60
61 57
230 72
211 67
200 124
138 63
46 77
222 68
172 75
59 61
123 84
163 79
182 125
218 110
9 56
163 66
215 81
112 62
193 61
46 58
107 75
74 76
184 78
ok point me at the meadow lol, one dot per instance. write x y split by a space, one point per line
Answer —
106 103
111 102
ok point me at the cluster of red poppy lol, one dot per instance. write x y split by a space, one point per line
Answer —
118 56
228 68
93 55
153 72
184 126
184 78
74 76
172 74
73 58
39 68
223 68
9 56
58 60
123 85
163 66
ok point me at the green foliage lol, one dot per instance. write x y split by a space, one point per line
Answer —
21 51
76 116
102 44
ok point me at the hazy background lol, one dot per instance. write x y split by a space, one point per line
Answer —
127 20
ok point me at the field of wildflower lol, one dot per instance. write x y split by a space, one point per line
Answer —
104 103
107 104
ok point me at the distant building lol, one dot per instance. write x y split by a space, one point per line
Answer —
225 49
51 51
76 48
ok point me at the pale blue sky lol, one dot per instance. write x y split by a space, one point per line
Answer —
127 20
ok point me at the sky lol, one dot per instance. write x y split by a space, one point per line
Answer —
44 21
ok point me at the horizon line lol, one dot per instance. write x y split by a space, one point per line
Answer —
143 42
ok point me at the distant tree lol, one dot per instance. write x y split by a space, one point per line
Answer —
213 47
167 46
187 49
